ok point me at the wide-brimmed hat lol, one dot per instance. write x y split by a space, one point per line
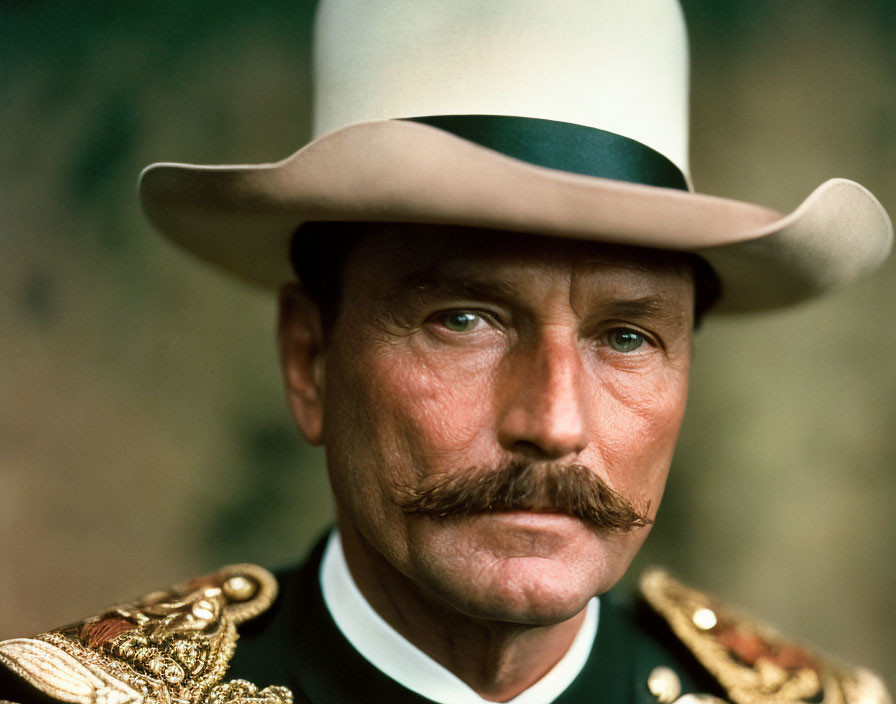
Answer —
564 119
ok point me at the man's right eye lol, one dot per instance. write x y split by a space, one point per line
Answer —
460 321
625 340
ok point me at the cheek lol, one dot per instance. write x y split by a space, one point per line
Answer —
391 416
440 402
637 421
410 408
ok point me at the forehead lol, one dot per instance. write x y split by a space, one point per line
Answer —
411 255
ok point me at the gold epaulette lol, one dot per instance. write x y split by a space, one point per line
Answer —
750 660
170 646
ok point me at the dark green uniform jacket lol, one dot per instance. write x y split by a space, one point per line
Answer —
181 646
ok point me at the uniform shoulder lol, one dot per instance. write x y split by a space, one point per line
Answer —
752 662
170 645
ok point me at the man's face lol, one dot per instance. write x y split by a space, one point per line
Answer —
457 352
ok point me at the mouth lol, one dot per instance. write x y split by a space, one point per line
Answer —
529 524
538 501
530 516
531 507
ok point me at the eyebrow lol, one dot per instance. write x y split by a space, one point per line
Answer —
640 307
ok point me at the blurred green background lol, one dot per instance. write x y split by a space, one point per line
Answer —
143 436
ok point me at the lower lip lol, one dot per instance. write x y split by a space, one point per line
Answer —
533 519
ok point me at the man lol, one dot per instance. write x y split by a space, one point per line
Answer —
492 340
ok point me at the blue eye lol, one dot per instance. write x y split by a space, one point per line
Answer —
459 321
625 339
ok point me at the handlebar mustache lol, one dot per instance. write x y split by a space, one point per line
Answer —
551 488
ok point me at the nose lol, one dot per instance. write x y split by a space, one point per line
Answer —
544 401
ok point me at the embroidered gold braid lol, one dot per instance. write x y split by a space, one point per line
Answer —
170 647
750 660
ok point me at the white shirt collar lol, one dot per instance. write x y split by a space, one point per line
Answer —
395 656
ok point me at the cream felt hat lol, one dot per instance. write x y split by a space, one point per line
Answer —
565 119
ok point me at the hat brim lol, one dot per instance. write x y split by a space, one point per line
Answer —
241 218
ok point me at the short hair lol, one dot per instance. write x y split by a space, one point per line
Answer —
318 252
319 249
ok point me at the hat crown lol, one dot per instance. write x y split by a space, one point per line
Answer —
617 66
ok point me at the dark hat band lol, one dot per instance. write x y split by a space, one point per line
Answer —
564 146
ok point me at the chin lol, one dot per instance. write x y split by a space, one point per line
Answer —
528 568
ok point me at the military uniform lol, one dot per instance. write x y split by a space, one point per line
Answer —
674 644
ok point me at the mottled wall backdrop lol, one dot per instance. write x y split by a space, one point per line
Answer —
143 437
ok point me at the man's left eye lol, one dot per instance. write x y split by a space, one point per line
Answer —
460 321
625 339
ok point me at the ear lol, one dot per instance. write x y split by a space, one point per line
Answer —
302 354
